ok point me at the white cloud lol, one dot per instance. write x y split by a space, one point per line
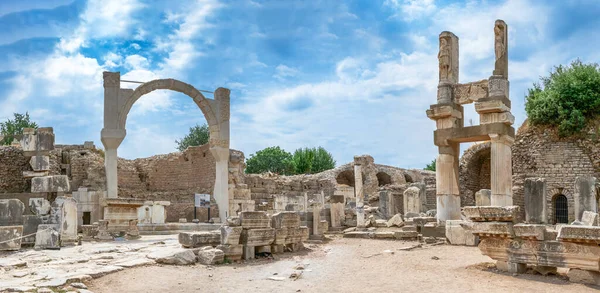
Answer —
283 72
136 62
412 9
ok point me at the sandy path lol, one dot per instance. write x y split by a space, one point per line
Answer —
341 266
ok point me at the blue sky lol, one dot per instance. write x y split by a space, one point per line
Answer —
353 76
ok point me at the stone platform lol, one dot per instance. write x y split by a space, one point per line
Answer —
175 228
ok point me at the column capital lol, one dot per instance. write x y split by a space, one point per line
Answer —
111 79
220 153
112 138
502 138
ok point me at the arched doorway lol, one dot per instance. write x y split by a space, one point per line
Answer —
561 209
346 178
383 179
118 103
474 171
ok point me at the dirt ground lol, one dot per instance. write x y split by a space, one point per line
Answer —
342 265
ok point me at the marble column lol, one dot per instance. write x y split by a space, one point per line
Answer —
316 209
111 139
446 175
501 170
221 191
358 193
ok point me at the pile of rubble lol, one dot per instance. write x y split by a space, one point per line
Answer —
246 236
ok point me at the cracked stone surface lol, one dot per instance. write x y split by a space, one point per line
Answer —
28 269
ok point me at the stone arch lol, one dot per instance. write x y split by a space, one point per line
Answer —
117 104
474 171
408 178
383 179
345 177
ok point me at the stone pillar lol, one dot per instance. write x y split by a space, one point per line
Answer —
111 139
316 209
446 175
585 196
483 197
358 193
501 165
412 200
535 201
221 191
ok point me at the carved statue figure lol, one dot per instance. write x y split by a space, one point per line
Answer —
499 41
444 59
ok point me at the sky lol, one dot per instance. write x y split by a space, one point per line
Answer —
352 76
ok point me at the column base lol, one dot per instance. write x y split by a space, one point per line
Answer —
448 207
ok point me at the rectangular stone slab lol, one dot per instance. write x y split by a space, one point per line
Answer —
285 220
11 212
254 220
555 254
491 213
10 237
584 234
258 237
199 239
232 252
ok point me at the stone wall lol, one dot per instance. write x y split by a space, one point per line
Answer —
12 165
474 172
539 152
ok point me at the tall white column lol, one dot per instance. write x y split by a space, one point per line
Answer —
358 193
447 194
501 169
111 139
221 191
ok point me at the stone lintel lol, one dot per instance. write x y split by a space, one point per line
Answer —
493 229
443 137
503 117
582 234
491 213
440 111
504 100
530 231
124 202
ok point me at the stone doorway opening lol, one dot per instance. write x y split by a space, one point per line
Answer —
561 209
383 179
87 217
346 178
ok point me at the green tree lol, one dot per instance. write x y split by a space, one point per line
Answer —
271 159
198 135
566 98
431 166
323 160
10 129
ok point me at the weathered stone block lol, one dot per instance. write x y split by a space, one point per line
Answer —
232 252
589 218
304 232
66 207
280 236
491 213
89 232
47 237
530 231
54 183
535 201
585 234
585 196
10 237
234 221
30 226
516 268
174 257
285 220
210 256
421 221
457 234
39 206
493 229
254 220
199 239
257 237
230 235
412 200
248 252
396 220
11 212
433 230
403 235
583 276
483 197
40 163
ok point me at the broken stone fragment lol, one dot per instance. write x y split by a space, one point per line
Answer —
589 218
257 237
285 220
174 257
210 256
230 235
10 237
47 237
11 212
54 183
232 252
254 220
39 206
40 163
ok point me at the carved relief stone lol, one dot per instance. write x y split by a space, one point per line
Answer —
448 58
470 92
504 117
